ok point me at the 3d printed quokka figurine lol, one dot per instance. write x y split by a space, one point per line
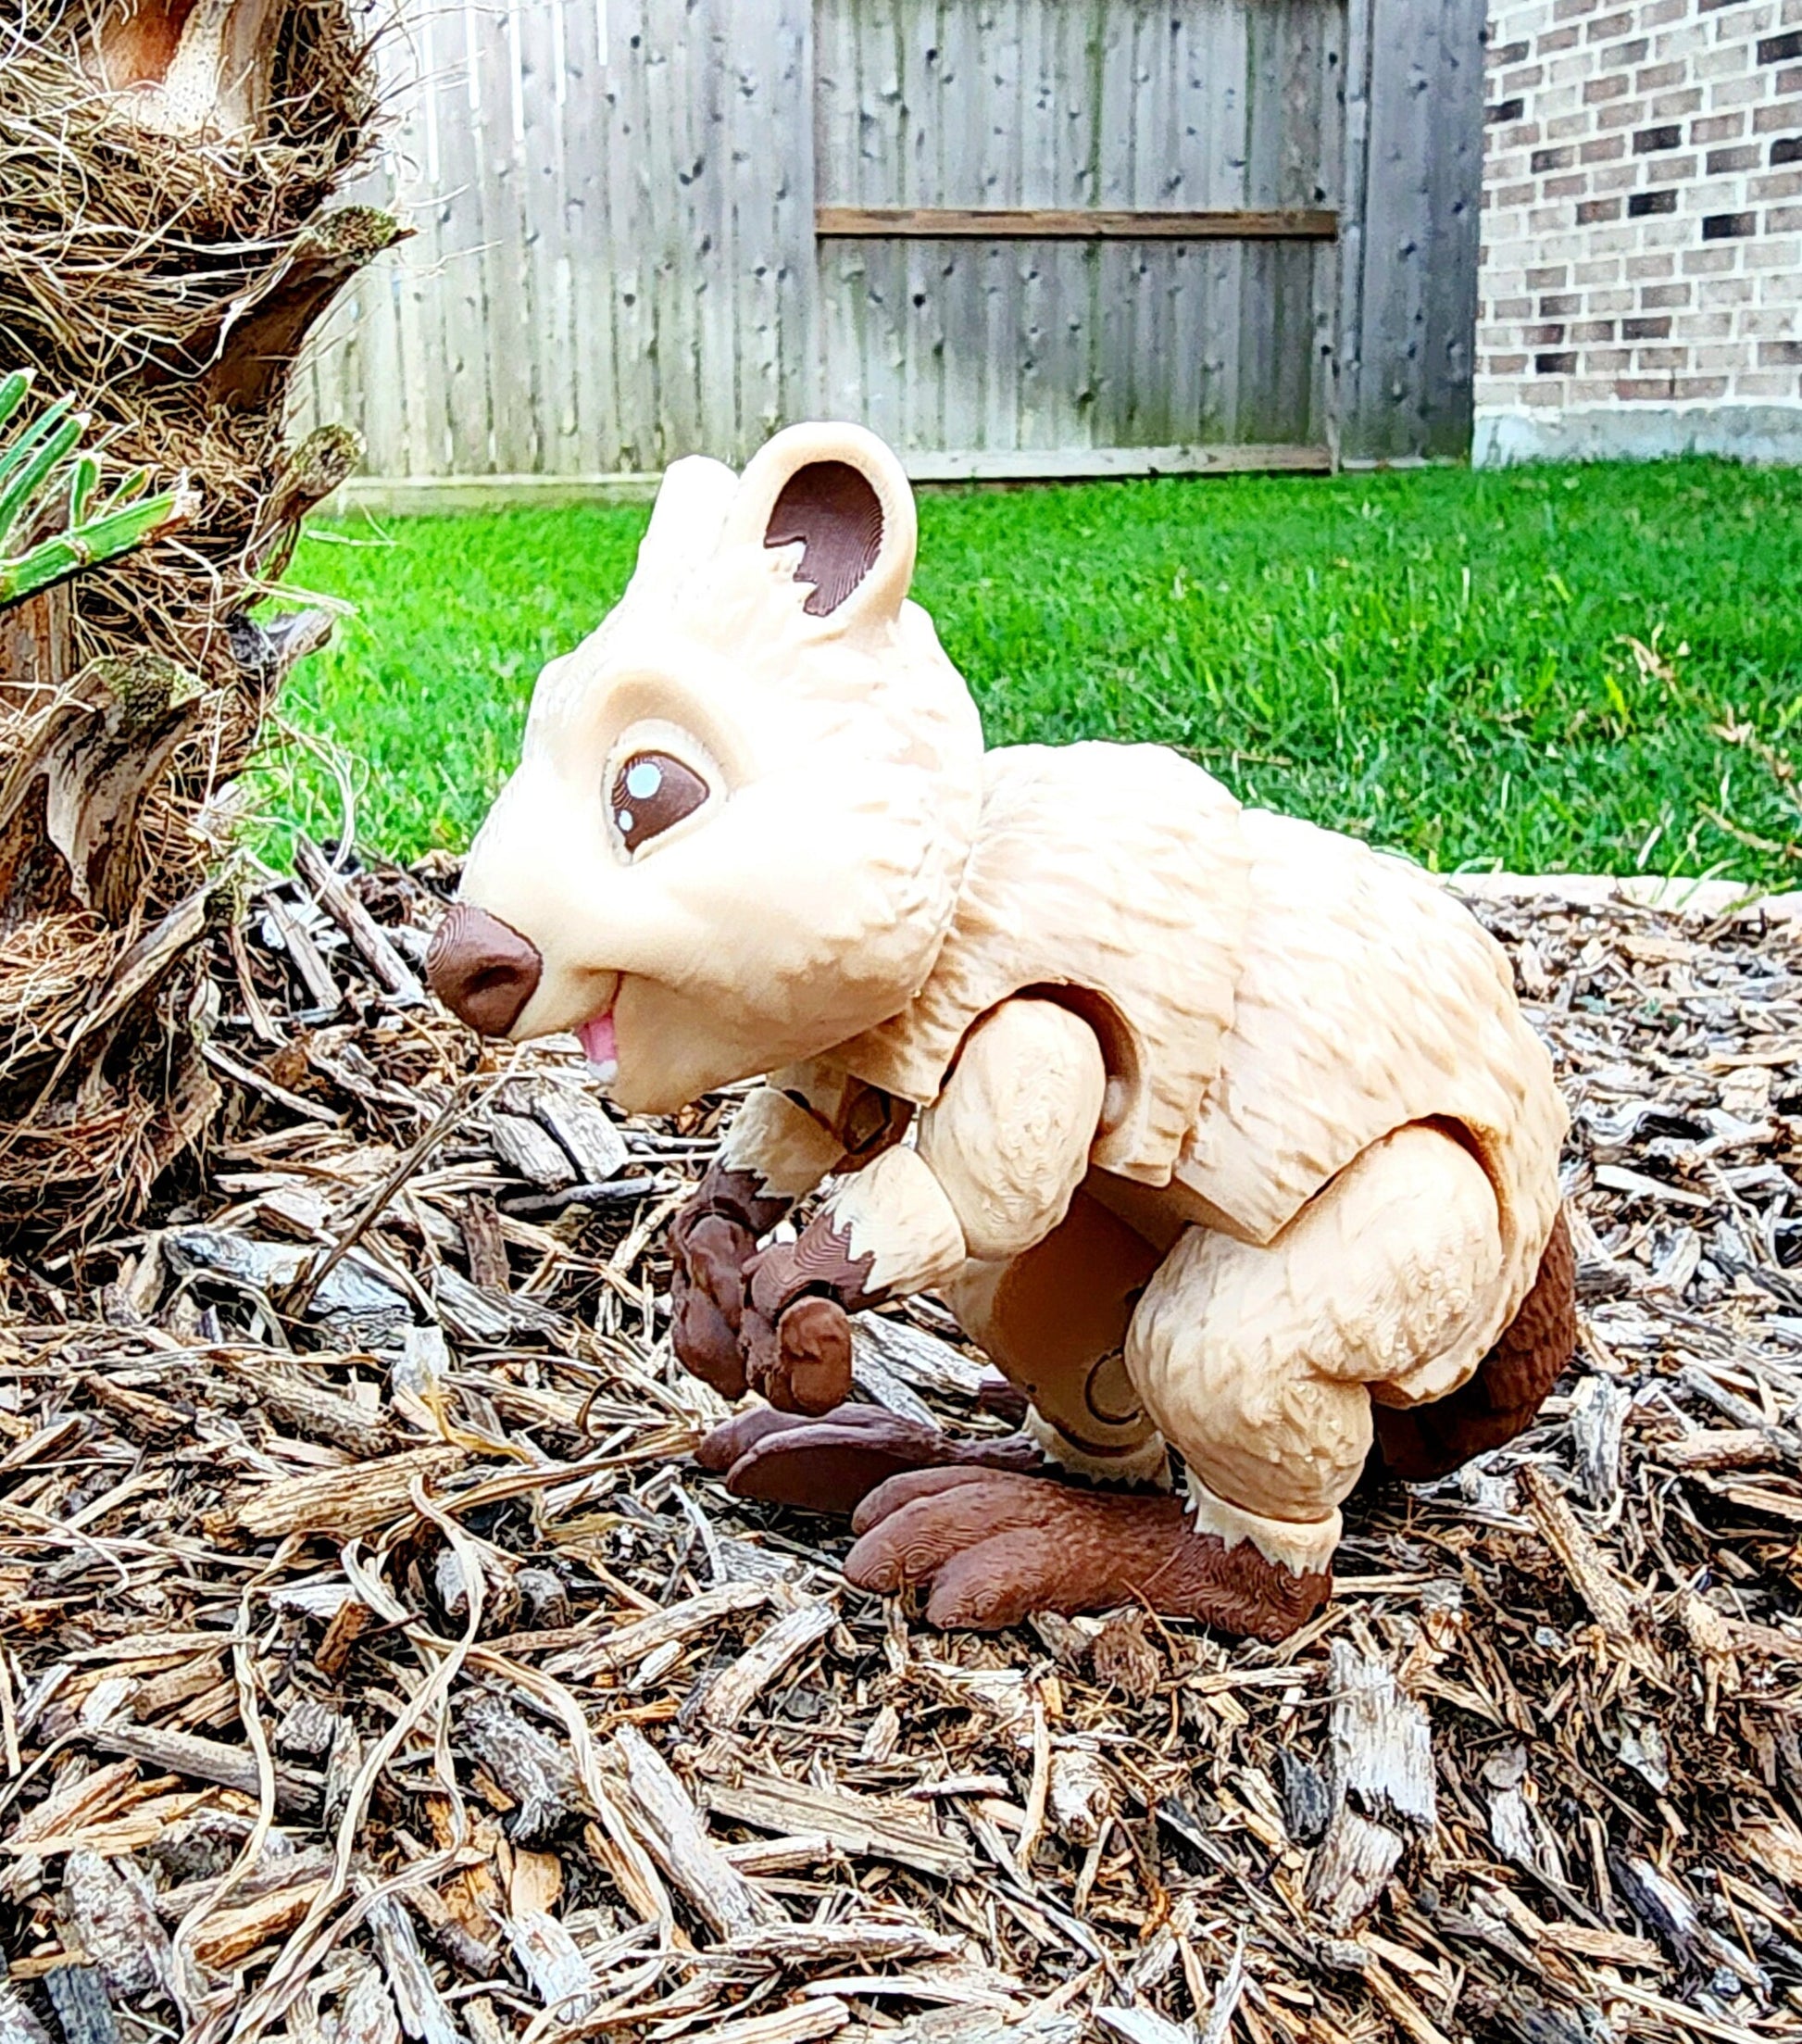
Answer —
1219 1133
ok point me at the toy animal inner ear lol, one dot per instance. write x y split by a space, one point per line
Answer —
832 509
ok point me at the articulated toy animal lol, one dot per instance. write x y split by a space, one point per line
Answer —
1221 1133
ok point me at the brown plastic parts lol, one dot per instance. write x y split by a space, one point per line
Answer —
481 969
831 1465
994 1547
1510 1383
803 1363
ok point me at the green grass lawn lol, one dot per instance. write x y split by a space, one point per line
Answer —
1577 669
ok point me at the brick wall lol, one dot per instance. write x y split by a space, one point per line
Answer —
1640 280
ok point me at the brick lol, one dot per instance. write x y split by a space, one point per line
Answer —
1554 365
1786 149
1511 308
1780 353
1650 77
1654 296
1650 141
1504 109
1644 390
1704 326
1560 305
1550 276
1573 10
1624 55
1554 40
1604 150
1542 336
1662 358
1731 359
1740 92
1611 87
1609 27
1568 186
1653 267
1645 330
1668 106
1552 160
1783 220
1643 203
1593 212
1742 156
1783 113
1781 384
1728 227
1715 261
1717 128
1789 82
1593 330
1779 49
1507 53
1524 79
1725 60
1507 365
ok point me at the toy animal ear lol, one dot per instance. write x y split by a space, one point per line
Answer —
838 494
692 502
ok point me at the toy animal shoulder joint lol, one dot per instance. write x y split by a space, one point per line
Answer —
1221 1134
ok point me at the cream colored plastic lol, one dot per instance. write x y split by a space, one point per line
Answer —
1294 1068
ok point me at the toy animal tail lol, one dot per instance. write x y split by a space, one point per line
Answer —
1432 1440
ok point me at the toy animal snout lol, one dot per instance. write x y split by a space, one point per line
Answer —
481 969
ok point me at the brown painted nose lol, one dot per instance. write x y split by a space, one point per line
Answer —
482 970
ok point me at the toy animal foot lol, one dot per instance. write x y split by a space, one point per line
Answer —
996 1546
832 1462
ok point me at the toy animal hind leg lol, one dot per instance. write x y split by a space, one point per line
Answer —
1258 1365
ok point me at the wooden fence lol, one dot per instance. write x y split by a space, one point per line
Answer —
1016 237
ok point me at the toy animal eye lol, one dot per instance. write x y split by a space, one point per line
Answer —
651 792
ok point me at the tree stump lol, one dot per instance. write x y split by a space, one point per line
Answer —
172 242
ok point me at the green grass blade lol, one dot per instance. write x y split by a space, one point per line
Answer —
114 533
12 393
26 485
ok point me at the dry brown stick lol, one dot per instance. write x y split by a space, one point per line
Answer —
298 1793
1781 1442
674 1829
391 969
1587 1568
294 1301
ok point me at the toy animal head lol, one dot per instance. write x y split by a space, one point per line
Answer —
743 806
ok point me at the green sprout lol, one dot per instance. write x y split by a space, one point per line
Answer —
54 521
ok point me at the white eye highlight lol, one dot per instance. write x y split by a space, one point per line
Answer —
643 778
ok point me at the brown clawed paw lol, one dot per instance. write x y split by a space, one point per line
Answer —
803 1363
706 1345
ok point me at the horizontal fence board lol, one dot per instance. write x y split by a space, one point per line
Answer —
1071 223
409 495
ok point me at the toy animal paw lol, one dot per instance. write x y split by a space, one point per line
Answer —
994 1547
800 1361
707 1297
832 1462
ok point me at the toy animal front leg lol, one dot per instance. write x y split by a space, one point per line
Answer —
1000 1155
1254 1362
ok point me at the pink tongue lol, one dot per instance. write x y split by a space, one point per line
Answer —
597 1040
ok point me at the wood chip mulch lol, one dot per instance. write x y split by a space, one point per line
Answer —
374 1663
